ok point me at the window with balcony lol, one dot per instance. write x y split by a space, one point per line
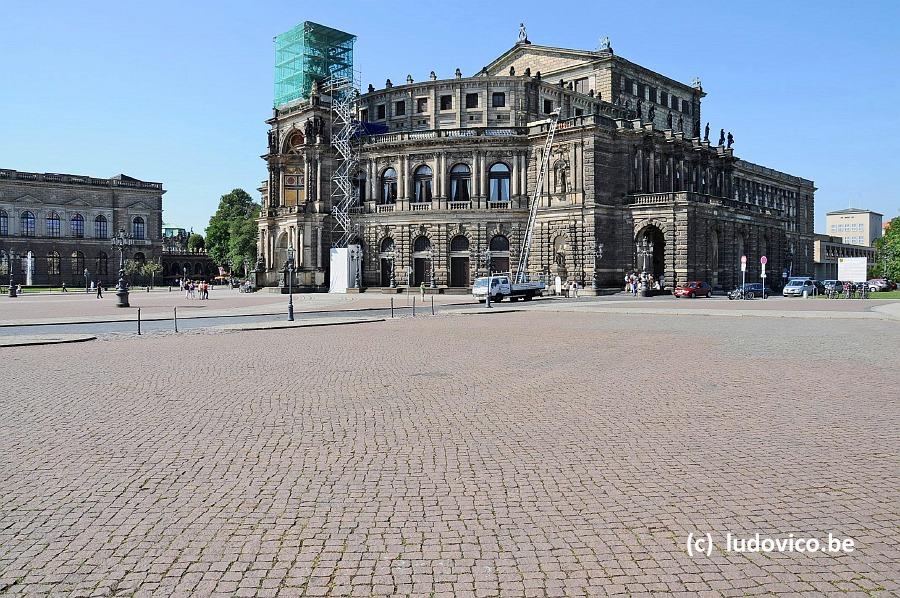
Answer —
421 105
4 223
471 100
28 224
446 102
400 108
379 111
364 115
77 226
498 182
460 180
389 186
53 228
498 99
359 188
422 182
548 106
137 228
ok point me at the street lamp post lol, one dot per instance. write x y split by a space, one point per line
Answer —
119 242
431 268
356 254
486 255
598 255
393 277
289 270
12 283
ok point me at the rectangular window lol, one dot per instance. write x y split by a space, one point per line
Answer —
421 104
364 115
548 106
651 91
379 111
675 103
579 112
664 99
446 102
471 100
400 108
581 85
498 99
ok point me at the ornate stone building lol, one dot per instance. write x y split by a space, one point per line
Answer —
632 183
66 223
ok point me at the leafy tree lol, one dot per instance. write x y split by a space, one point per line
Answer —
133 268
231 234
887 252
151 270
195 242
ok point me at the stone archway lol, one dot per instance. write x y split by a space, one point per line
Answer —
650 250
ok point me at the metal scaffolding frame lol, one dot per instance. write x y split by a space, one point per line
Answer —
344 94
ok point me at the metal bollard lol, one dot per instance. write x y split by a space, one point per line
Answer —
176 318
392 307
432 305
139 321
414 307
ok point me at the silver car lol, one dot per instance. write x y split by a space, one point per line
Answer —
796 288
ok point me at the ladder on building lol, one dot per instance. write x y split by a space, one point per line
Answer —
525 252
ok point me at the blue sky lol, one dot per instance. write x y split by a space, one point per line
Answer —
177 92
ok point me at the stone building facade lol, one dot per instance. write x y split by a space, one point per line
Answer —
632 184
67 221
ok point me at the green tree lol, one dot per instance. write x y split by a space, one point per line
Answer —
151 270
231 234
887 252
132 269
195 242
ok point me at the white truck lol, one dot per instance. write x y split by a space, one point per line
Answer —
502 287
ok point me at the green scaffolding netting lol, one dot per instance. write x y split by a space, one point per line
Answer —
310 52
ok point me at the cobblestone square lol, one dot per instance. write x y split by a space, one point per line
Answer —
515 454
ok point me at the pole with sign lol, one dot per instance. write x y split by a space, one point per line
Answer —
743 276
763 261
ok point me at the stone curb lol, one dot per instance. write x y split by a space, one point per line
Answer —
43 339
825 315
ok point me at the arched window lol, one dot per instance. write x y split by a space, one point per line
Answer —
27 224
101 227
359 188
459 243
460 179
77 263
387 245
498 182
4 223
53 263
422 180
499 243
52 224
389 186
422 243
77 226
137 228
102 264
198 269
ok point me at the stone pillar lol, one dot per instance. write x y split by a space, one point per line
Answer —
318 246
319 178
514 177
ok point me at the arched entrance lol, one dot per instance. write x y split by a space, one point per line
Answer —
499 247
386 260
421 257
459 261
280 257
650 254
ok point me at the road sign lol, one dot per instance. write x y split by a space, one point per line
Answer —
763 260
743 263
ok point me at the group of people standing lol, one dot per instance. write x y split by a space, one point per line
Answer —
192 288
635 282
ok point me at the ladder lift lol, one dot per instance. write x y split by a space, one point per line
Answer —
525 252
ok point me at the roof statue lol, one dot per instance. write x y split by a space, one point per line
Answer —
523 34
605 45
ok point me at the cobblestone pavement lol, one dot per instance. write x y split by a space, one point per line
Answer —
517 454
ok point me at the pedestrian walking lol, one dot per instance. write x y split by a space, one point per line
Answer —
422 288
99 290
64 289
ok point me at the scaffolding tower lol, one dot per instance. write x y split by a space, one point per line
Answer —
307 53
344 93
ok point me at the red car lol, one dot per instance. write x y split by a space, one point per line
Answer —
693 289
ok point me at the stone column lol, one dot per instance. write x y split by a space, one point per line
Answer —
523 173
514 177
318 178
318 246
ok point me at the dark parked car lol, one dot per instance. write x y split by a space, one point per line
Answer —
751 290
693 289
833 285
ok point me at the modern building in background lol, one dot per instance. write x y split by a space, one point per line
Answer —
828 249
447 167
854 226
65 223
